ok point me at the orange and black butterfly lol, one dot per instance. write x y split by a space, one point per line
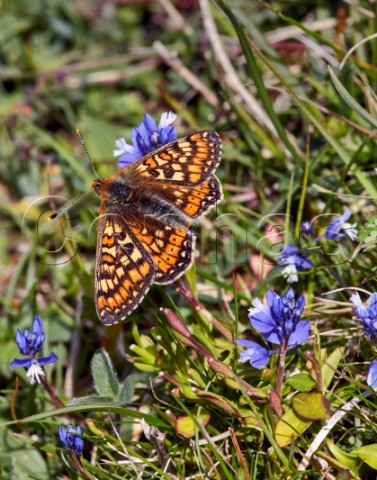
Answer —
146 211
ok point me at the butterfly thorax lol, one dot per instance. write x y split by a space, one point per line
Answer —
115 190
121 196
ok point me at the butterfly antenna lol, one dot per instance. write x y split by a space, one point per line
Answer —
90 158
68 205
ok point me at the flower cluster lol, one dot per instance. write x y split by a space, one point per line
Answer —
30 343
279 322
307 228
294 260
367 316
71 438
145 138
339 228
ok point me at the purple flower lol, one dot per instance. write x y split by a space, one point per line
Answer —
279 321
307 228
71 438
366 315
34 366
372 375
145 138
29 344
254 353
339 228
293 262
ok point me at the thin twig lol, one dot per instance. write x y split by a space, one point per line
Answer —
176 18
230 76
240 455
366 39
173 61
291 31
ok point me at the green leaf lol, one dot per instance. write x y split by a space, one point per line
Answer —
187 426
350 101
311 406
27 440
301 382
76 409
90 400
368 235
349 460
329 366
288 427
368 454
126 391
104 376
19 460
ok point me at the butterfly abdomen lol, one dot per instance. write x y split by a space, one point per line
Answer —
154 206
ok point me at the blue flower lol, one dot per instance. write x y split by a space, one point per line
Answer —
307 228
366 315
339 228
255 353
145 138
29 344
279 322
34 366
71 438
293 262
372 375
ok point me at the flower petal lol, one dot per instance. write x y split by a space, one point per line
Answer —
50 358
37 326
70 438
21 362
274 336
255 353
167 118
300 333
148 124
22 343
63 436
372 374
373 301
128 159
35 371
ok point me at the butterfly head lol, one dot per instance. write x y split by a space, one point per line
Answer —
97 186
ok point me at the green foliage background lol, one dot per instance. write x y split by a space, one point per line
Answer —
298 132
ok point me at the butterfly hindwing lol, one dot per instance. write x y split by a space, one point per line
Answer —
124 270
170 248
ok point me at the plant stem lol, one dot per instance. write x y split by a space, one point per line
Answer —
283 351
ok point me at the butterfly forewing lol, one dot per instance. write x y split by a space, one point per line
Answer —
194 201
187 161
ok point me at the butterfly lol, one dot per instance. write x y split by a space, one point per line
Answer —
147 207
